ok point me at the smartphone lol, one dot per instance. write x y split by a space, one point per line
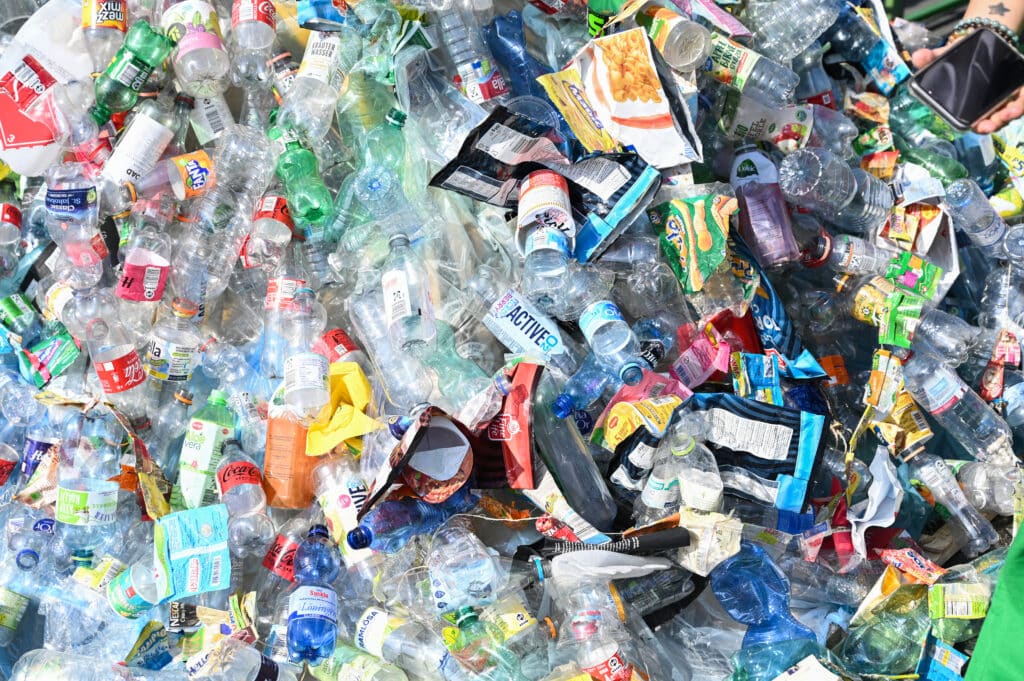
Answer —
966 83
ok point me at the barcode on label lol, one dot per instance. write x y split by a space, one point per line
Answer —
958 608
918 419
396 296
213 116
129 72
215 571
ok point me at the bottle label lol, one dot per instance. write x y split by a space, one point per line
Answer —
612 669
121 374
245 408
237 473
942 391
334 344
138 151
262 11
105 14
281 293
35 449
826 99
660 492
26 82
313 602
16 310
522 328
547 239
167 361
787 128
10 214
129 71
662 20
480 81
731 63
12 609
597 315
200 456
373 628
210 117
280 558
193 25
144 282
397 302
7 467
274 207
305 371
71 202
86 507
548 6
341 505
86 253
835 367
319 61
510 615
123 597
196 172
349 665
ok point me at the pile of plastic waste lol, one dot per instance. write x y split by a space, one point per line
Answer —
449 340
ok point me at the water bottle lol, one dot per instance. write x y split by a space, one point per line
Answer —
936 476
308 105
684 44
846 197
944 335
974 216
272 229
751 73
312 602
854 255
172 353
18 586
144 276
461 568
40 664
240 486
764 216
612 340
142 143
236 660
289 276
851 36
167 428
72 222
783 32
348 662
815 86
118 87
958 409
305 369
598 652
585 387
390 525
227 364
990 488
978 154
476 72
200 61
700 483
408 306
407 644
104 24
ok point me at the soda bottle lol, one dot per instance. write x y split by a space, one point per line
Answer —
764 216
118 87
240 485
104 24
480 646
309 200
253 30
208 430
312 602
684 44
200 61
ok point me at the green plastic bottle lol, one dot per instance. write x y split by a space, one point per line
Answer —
201 453
117 88
941 167
309 200
599 12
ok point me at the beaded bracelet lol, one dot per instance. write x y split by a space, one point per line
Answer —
966 26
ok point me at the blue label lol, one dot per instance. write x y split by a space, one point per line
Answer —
597 315
33 454
192 552
70 201
45 525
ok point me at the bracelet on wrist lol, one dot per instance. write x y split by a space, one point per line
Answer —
967 26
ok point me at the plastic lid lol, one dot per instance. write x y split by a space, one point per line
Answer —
562 406
183 396
318 531
81 558
27 559
217 397
464 616
396 117
360 538
183 308
631 374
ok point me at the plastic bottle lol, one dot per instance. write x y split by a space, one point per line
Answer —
958 409
17 588
67 666
348 662
306 389
237 379
172 353
782 33
848 197
935 474
585 387
309 201
815 86
168 425
208 430
308 106
597 652
853 255
253 30
10 229
406 644
612 340
974 216
150 131
764 216
104 24
143 50
312 602
235 660
978 155
390 524
480 646
144 276
201 63
684 44
240 486
289 276
476 72
660 495
71 220
989 488
751 73
408 305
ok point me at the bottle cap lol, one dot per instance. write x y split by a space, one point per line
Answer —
183 396
27 559
318 531
217 397
395 117
562 406
360 538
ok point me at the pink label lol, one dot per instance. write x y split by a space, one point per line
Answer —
198 40
705 355
82 254
254 10
142 283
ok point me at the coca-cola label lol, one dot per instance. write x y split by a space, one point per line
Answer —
280 558
121 374
26 82
10 214
334 344
142 283
237 473
273 207
254 10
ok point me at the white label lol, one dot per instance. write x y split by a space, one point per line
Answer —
660 492
167 361
137 152
513 147
598 175
522 328
807 669
320 57
316 602
700 490
397 304
202 445
642 455
305 371
763 440
210 117
371 630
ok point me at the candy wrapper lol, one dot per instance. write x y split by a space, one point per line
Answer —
694 233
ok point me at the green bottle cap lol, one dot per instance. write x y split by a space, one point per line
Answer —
217 397
395 117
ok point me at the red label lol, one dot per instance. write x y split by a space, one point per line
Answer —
238 473
274 207
254 10
548 6
334 345
281 293
6 468
99 245
83 254
494 86
612 669
142 283
825 98
10 214
123 373
280 558
27 82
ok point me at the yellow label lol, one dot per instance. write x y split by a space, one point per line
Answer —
105 14
450 635
565 88
626 417
12 608
510 616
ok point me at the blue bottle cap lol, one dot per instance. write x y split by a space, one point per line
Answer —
318 531
562 406
27 559
631 374
360 538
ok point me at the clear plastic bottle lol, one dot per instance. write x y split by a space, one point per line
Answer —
240 485
853 255
407 300
958 409
480 646
210 427
72 221
684 44
990 488
289 276
390 525
612 340
476 72
305 369
235 660
700 484
348 662
935 474
144 276
407 644
585 387
253 30
974 216
781 32
167 426
461 567
104 23
172 352
751 73
236 378
150 131
764 215
39 664
815 85
201 62
308 106
847 197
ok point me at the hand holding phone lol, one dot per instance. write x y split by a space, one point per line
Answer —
976 81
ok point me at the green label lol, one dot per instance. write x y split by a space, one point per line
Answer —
913 274
13 308
86 507
12 608
731 63
200 456
901 316
960 600
124 598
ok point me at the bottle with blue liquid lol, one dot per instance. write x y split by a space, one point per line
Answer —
312 602
389 526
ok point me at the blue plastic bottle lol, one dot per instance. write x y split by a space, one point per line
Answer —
312 603
584 387
391 524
